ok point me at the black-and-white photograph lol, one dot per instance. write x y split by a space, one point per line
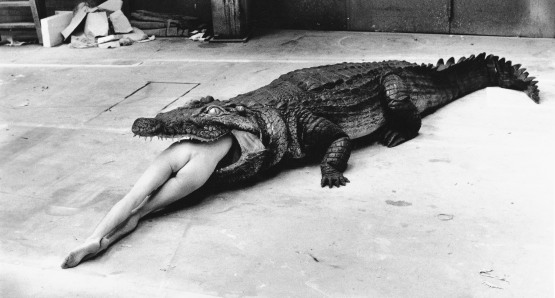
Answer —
293 148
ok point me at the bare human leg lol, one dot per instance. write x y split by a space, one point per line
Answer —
193 164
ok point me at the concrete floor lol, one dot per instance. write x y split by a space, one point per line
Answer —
472 193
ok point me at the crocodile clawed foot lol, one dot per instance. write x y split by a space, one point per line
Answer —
392 138
335 179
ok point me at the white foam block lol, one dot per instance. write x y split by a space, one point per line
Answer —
52 27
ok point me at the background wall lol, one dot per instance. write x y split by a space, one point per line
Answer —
535 18
430 16
530 18
301 14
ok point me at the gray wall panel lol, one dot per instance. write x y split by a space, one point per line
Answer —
428 16
532 18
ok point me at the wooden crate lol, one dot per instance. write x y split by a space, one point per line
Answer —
230 20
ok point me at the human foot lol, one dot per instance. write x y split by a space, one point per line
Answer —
85 250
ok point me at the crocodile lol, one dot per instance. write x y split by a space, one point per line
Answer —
316 112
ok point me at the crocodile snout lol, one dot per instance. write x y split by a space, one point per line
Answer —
146 127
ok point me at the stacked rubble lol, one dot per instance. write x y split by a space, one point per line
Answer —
104 26
162 24
169 25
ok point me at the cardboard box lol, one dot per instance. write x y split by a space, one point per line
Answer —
120 22
96 24
111 5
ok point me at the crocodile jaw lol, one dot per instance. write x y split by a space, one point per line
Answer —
250 156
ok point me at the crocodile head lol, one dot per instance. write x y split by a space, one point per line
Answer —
258 145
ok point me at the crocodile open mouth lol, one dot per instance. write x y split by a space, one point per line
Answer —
245 146
245 157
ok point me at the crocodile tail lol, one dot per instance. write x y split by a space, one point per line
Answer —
477 72
513 77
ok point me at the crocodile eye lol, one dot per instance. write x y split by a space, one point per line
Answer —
214 111
240 109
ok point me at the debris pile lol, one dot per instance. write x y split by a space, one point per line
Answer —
169 25
104 26
201 35
162 24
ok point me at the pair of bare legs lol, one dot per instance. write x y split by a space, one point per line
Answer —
175 173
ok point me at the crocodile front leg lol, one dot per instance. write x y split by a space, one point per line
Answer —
334 163
402 118
322 137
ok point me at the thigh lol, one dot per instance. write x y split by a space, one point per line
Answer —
188 179
196 164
